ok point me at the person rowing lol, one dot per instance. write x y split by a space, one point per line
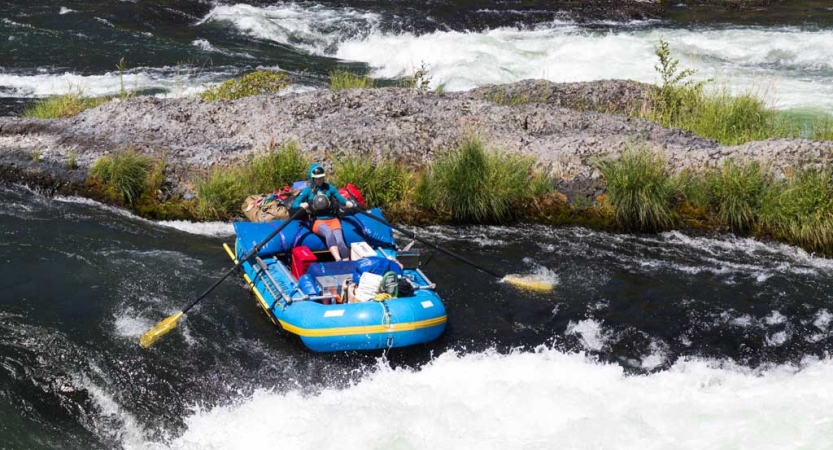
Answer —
321 199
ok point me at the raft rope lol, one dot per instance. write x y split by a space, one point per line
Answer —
381 297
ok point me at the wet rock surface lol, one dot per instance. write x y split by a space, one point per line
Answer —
547 121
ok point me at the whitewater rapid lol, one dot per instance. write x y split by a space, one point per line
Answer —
540 399
791 67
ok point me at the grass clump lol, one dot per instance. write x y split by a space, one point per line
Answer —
255 83
223 189
474 186
640 190
801 210
345 79
735 193
680 102
278 166
221 192
125 174
62 106
382 184
72 161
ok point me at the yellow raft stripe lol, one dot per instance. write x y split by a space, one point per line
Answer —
342 331
372 329
251 285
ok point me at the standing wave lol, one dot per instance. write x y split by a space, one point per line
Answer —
533 400
791 67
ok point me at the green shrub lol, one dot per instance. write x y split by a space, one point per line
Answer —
277 167
125 172
733 120
823 129
344 79
255 83
62 106
639 189
680 102
476 187
735 193
72 161
221 193
382 184
692 186
540 184
801 210
420 79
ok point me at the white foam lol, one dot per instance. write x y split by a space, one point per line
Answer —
590 333
777 339
132 327
537 400
314 28
775 318
215 229
65 10
793 67
173 81
204 45
823 319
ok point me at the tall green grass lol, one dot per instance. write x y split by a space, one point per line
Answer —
223 189
800 210
125 173
221 192
680 102
475 186
255 83
639 189
736 192
277 167
383 183
345 79
63 106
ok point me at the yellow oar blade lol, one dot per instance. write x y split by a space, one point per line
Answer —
530 283
162 328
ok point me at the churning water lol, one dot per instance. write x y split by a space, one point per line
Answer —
667 341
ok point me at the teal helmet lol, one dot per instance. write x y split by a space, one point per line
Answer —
316 171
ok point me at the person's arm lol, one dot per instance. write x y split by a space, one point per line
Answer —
334 193
340 198
301 199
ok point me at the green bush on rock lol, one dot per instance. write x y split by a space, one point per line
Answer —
125 174
640 190
255 83
474 186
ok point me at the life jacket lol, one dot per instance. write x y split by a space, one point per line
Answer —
323 204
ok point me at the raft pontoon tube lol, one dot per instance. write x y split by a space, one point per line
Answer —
308 307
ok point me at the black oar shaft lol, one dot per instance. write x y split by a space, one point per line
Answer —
251 253
491 272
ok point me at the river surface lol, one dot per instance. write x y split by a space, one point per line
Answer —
668 341
646 341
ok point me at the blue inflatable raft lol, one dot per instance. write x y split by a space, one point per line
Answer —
304 297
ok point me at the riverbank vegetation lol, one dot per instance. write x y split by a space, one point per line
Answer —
345 79
745 197
221 191
473 184
680 102
255 83
63 106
